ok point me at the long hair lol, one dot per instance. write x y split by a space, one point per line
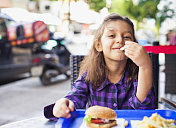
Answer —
94 64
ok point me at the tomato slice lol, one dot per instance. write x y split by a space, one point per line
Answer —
97 121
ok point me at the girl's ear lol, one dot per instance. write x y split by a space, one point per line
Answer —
98 46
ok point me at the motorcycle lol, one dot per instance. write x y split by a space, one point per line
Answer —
54 58
29 48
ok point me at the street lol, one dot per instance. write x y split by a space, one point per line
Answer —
26 98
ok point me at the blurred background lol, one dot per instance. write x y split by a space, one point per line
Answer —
37 38
153 19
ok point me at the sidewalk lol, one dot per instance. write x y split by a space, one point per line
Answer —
26 98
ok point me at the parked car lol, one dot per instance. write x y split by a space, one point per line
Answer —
21 52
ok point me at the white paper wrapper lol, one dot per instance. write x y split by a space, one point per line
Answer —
134 123
120 124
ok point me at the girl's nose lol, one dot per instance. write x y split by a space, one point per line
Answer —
119 39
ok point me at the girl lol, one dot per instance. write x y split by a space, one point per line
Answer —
117 73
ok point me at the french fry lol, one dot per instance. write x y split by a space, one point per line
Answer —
156 121
166 120
164 125
126 123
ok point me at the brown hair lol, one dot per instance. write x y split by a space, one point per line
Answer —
94 63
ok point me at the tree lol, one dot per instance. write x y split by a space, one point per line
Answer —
143 9
163 14
117 6
96 5
139 11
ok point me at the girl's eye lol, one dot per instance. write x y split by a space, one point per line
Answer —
111 35
127 37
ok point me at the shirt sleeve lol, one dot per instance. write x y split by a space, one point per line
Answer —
48 112
147 103
78 94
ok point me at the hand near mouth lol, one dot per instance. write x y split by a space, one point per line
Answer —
124 47
136 53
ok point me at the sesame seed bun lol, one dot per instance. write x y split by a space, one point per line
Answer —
101 112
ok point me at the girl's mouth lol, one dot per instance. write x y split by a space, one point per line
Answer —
116 48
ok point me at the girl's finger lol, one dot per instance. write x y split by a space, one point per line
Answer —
67 116
128 55
71 105
64 112
129 42
129 45
131 52
124 47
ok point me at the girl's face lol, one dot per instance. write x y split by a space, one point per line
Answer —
114 36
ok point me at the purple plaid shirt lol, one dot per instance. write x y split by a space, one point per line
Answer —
116 96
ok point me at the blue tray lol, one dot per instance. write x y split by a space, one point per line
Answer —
77 117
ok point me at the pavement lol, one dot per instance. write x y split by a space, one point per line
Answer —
26 98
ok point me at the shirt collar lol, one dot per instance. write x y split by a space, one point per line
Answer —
104 84
107 82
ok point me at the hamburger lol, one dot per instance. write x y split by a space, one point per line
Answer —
100 117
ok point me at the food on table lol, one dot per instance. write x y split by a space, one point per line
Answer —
156 121
100 117
126 123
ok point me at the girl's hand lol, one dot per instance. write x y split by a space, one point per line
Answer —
137 54
63 107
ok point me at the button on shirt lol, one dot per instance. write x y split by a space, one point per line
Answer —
121 95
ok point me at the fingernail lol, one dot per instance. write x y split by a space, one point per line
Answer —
127 41
68 116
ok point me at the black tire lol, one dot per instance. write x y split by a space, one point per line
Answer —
67 75
44 79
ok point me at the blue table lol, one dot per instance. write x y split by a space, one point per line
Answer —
77 117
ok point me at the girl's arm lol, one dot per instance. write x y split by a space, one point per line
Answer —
76 98
79 93
140 57
144 80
